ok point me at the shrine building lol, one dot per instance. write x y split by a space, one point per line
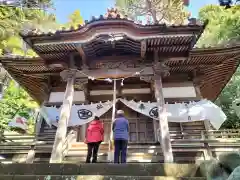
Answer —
112 63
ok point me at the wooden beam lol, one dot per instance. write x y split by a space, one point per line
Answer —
83 56
110 73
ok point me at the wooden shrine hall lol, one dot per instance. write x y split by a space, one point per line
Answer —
112 57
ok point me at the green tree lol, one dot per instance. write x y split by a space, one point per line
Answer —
75 19
223 28
16 101
171 11
12 20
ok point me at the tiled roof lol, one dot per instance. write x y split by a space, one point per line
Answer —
112 14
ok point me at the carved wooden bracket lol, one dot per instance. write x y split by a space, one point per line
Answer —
80 83
197 80
66 74
161 69
147 79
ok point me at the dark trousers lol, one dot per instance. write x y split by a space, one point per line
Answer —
120 150
92 152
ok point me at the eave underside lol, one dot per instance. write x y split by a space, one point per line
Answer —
215 65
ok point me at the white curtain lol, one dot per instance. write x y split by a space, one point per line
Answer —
182 112
178 112
80 114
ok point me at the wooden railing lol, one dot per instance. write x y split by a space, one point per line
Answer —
203 134
13 143
207 141
20 145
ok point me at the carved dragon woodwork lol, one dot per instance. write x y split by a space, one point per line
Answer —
114 64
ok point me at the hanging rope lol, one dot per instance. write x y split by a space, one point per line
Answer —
112 79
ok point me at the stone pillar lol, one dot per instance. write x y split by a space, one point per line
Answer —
57 155
161 70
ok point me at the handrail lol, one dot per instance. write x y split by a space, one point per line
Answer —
205 134
15 137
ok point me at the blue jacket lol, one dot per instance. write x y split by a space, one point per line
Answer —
120 129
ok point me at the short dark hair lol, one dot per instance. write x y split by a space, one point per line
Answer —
96 118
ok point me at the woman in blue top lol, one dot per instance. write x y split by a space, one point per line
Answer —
121 135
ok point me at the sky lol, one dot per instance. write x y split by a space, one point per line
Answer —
89 8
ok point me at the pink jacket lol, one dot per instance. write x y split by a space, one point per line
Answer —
95 131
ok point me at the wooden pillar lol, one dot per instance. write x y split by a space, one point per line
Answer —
196 82
57 156
84 87
83 131
155 125
163 122
30 155
110 146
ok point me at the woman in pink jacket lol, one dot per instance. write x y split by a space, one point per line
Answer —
94 137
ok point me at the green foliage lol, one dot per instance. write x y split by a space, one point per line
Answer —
224 25
75 19
223 28
15 19
171 11
16 101
12 20
229 94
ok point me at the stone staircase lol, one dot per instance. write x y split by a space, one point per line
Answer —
43 151
145 152
100 172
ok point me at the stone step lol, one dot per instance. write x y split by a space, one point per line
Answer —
104 169
59 177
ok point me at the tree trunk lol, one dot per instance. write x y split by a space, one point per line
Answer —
152 10
57 156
